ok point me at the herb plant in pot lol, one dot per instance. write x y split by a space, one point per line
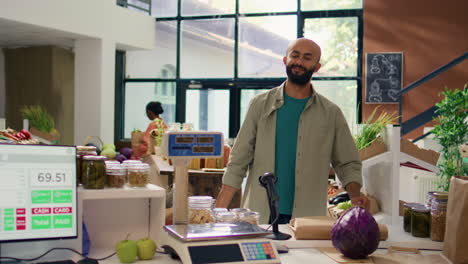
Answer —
368 140
450 132
41 122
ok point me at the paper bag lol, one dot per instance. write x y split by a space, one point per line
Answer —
456 229
137 138
319 228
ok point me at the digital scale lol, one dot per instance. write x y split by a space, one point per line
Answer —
208 243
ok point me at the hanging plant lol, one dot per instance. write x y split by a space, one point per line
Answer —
450 132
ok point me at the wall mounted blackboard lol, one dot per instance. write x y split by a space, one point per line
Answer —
383 77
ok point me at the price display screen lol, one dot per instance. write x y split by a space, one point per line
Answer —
37 192
203 149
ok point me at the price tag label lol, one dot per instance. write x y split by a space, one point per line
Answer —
51 177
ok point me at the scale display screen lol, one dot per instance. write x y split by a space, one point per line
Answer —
194 144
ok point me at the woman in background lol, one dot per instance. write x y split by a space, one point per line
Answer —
155 129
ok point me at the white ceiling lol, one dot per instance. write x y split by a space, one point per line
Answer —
14 34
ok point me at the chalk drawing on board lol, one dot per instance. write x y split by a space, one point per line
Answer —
384 75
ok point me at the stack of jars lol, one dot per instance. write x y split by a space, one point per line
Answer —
427 220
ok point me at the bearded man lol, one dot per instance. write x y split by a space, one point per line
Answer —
296 133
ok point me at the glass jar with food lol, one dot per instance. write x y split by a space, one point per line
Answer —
199 208
82 151
237 211
438 215
116 175
226 217
407 215
138 174
249 217
420 221
94 172
218 210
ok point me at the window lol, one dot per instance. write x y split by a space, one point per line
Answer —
212 57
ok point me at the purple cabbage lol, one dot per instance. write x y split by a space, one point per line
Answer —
127 152
356 233
120 158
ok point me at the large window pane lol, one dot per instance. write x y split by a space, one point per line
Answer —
262 44
159 62
207 48
342 93
137 95
207 7
262 6
338 39
164 8
208 110
307 5
246 96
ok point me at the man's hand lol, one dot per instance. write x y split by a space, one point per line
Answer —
357 198
361 201
225 196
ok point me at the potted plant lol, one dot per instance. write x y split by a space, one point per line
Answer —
368 140
41 122
450 132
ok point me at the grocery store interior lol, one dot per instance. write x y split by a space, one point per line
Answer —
106 106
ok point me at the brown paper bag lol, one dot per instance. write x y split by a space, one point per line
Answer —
456 228
319 228
137 138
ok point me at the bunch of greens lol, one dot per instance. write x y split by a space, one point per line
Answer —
371 128
39 118
450 132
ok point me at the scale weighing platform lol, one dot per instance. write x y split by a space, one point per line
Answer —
208 243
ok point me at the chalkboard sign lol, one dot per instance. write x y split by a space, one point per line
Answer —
383 77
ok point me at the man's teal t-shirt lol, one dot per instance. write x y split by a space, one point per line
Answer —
287 122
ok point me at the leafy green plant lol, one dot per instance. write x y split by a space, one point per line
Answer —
38 118
450 132
370 130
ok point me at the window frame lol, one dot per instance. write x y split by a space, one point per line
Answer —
235 84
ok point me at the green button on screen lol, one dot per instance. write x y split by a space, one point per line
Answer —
41 222
39 197
62 196
63 221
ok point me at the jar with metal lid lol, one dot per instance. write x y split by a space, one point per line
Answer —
80 152
199 208
249 217
237 211
94 172
420 221
218 210
226 217
429 197
138 174
438 215
407 215
116 175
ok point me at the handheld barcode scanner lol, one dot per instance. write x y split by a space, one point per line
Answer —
215 242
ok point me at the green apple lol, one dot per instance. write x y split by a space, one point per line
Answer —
126 251
146 248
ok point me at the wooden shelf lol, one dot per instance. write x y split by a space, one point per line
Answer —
150 191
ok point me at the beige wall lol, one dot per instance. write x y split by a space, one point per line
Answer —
430 33
44 76
2 84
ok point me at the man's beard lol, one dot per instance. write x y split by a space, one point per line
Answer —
299 79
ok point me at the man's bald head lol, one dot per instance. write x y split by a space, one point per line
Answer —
305 44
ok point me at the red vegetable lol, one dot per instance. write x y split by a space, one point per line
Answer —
356 233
